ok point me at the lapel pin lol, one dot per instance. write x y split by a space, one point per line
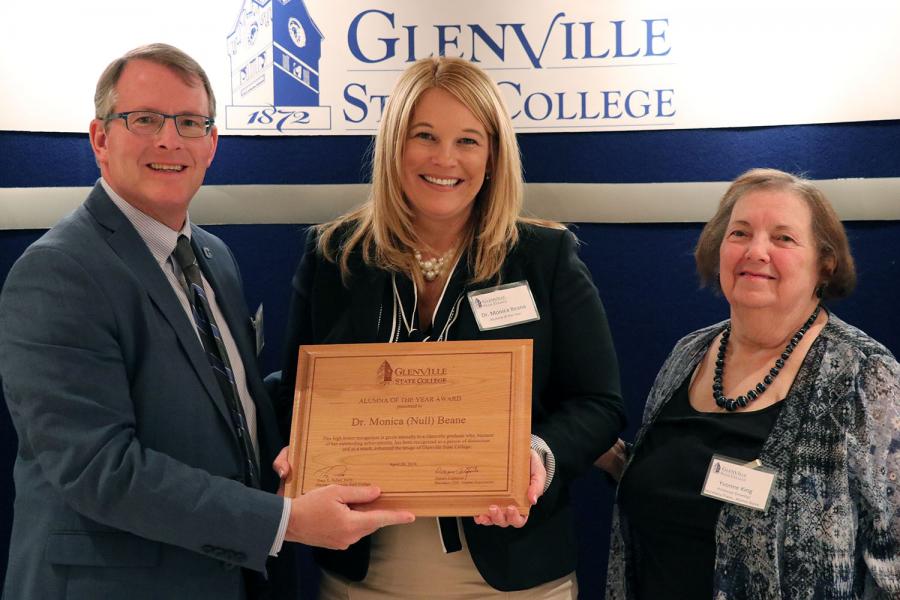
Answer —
207 252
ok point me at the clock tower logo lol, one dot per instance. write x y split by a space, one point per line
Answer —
274 52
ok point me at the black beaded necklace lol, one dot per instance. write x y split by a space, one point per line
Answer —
732 404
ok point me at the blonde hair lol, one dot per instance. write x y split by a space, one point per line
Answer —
837 273
383 226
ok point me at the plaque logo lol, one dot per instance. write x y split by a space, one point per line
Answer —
388 375
385 373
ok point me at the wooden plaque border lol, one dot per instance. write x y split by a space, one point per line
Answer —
443 503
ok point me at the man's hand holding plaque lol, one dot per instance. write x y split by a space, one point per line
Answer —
440 428
334 516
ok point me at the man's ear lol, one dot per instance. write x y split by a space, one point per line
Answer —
214 140
99 141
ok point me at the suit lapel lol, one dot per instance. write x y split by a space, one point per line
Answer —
131 249
213 269
217 265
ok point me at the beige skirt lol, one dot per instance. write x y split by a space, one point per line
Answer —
407 562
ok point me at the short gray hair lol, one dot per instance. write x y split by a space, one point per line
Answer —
163 54
837 272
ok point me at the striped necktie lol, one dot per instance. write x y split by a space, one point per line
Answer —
214 348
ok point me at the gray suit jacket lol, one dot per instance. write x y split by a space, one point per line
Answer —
128 469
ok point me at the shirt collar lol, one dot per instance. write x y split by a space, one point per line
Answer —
159 238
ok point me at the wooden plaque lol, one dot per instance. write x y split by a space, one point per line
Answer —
442 428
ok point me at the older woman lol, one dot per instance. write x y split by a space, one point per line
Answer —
443 221
785 386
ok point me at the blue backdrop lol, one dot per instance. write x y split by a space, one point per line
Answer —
645 273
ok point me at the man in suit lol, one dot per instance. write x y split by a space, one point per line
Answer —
128 362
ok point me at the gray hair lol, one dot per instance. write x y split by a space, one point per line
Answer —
837 272
163 54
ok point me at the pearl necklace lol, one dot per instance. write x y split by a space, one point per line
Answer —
732 404
433 267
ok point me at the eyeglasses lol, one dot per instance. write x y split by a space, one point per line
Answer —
148 122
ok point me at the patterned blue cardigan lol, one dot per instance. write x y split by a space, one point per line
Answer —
832 529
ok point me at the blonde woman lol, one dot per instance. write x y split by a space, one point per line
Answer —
444 219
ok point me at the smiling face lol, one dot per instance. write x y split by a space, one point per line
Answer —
444 160
157 174
768 257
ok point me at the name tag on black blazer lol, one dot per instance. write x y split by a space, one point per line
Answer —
503 306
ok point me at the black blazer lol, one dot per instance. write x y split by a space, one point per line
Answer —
576 403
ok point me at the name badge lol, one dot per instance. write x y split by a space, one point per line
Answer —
738 482
259 330
504 305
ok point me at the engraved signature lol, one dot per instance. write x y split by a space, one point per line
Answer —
332 474
463 470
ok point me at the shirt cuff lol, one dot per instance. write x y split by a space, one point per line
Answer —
546 455
282 528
